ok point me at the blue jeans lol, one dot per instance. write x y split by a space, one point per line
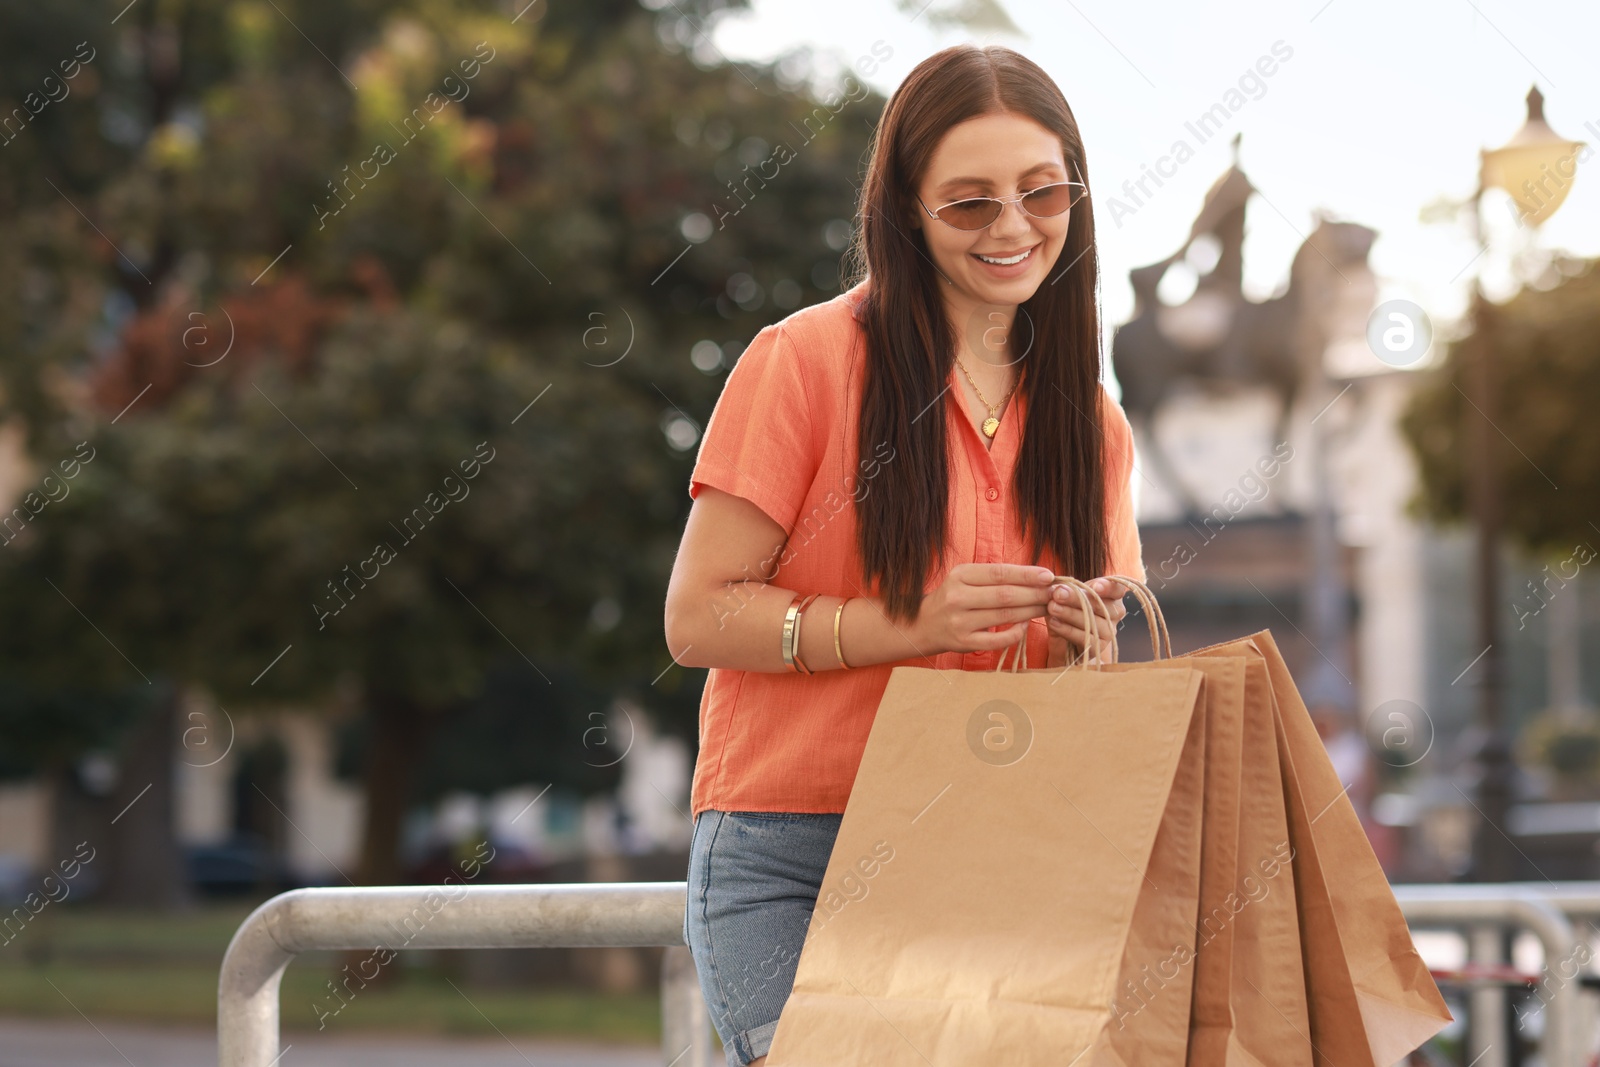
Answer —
753 882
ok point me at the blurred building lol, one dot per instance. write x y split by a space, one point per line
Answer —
1251 417
262 807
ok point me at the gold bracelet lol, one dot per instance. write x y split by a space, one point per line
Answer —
837 651
800 664
787 644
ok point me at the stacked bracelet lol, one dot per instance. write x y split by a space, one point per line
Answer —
837 650
794 648
787 644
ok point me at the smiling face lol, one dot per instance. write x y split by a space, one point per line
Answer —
999 154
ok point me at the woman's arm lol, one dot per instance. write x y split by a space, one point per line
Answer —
722 613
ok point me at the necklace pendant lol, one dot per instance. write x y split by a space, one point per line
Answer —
990 425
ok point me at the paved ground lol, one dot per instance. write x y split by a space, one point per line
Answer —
65 1043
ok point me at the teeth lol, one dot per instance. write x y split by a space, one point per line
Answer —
1006 262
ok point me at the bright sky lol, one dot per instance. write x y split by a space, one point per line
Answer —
1380 109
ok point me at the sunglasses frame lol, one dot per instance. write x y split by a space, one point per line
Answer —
1015 198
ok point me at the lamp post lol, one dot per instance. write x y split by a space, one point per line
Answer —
1536 167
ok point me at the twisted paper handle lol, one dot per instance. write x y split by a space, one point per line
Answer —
1092 651
1091 654
1152 614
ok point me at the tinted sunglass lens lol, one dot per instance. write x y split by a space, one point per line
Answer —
970 214
1050 200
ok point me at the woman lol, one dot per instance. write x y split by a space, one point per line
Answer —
892 477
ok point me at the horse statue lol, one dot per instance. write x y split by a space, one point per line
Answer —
1217 341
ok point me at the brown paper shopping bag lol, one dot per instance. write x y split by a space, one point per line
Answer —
1367 996
1266 987
1151 997
1371 998
1399 1002
1015 822
1211 1019
950 958
1249 1003
1206 960
1173 981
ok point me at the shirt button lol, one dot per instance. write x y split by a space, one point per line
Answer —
992 493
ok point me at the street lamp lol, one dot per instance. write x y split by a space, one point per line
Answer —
1536 168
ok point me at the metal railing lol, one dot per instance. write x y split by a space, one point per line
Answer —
1579 902
1484 910
631 914
644 914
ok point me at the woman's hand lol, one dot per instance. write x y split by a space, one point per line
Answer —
1065 619
957 615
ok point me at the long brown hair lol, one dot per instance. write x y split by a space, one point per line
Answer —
1059 482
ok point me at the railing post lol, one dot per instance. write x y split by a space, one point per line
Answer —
685 1025
1471 906
401 917
1486 1039
651 913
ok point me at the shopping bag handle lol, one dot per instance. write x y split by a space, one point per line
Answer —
1152 613
1091 654
1154 618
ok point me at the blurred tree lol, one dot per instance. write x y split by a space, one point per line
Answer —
281 310
1546 353
45 736
382 516
528 726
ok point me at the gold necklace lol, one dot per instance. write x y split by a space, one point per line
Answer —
992 424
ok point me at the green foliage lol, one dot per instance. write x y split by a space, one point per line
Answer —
1545 347
52 727
1568 745
521 236
244 517
528 726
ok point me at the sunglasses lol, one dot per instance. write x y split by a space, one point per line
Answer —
980 212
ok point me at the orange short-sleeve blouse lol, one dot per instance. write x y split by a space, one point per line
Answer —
783 436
